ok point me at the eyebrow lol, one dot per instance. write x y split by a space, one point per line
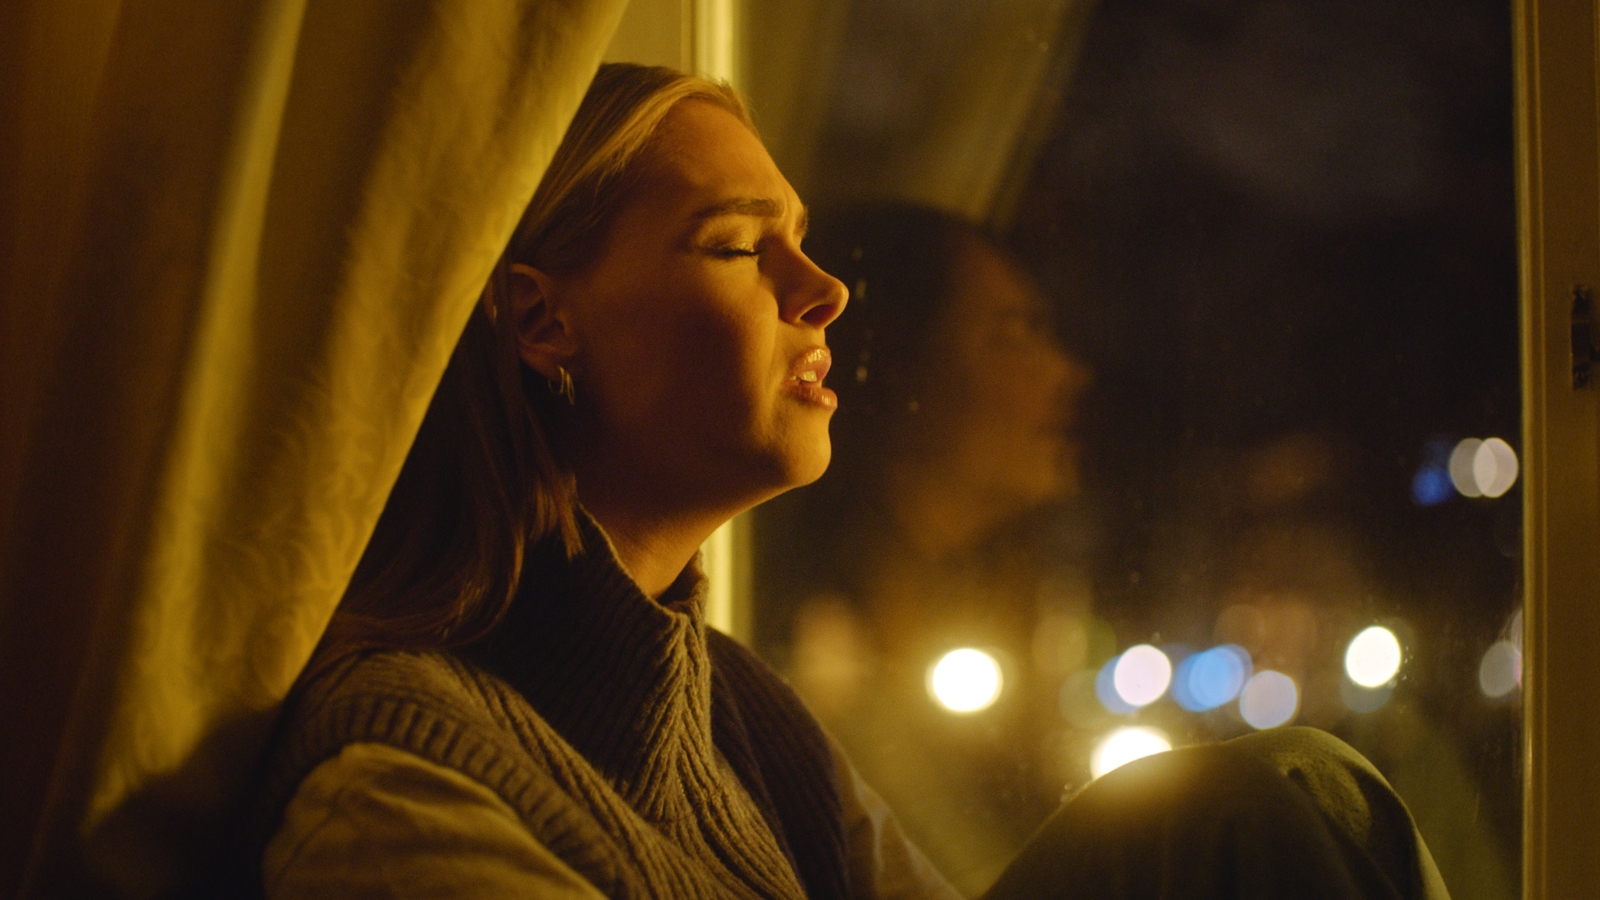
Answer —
760 207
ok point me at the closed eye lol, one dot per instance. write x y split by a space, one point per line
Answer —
736 252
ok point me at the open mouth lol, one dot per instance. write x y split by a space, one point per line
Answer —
805 378
812 366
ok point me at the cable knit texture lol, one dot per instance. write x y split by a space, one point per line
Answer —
656 757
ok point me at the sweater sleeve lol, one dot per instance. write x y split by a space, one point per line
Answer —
378 822
884 864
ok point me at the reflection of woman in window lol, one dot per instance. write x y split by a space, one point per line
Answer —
957 414
518 695
957 407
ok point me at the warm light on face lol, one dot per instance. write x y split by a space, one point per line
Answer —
1373 657
965 680
1125 745
1142 675
701 368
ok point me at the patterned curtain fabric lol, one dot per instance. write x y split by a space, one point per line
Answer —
237 244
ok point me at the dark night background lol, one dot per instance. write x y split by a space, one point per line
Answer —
1283 233
1275 217
1265 219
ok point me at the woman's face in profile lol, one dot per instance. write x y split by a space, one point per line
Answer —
700 326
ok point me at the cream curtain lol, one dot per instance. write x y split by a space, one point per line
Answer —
239 241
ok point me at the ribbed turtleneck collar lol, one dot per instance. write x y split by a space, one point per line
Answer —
625 679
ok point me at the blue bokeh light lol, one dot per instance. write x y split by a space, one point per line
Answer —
1207 680
1432 486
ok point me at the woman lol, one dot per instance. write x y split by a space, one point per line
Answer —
647 361
518 695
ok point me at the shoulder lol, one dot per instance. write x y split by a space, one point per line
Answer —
378 821
430 704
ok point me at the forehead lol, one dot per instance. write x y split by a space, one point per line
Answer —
702 152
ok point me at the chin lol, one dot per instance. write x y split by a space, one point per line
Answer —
1049 483
806 464
810 470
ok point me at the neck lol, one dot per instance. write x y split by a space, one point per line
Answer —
652 547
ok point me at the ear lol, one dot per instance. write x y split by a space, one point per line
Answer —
544 335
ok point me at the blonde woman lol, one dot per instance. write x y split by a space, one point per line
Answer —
518 695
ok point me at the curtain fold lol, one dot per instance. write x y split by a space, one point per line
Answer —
240 240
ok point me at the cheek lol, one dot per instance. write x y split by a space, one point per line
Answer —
1004 422
1005 393
726 354
701 366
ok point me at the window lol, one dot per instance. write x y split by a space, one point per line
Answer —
1210 424
792 52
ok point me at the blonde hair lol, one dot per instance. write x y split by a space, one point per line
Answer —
484 482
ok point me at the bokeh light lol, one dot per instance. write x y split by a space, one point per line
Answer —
1125 745
1494 467
1142 675
1373 657
1462 475
965 680
1209 679
1500 672
1105 689
1269 699
1431 486
1483 468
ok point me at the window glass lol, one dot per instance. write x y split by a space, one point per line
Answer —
1179 398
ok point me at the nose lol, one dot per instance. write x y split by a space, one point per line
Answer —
1069 375
817 297
1076 375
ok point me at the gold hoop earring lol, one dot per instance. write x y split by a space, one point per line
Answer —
561 386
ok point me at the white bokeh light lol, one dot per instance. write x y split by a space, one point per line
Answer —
1125 745
1494 467
1373 657
1142 675
1463 460
1500 673
1269 699
965 680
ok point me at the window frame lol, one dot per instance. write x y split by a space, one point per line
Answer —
1558 198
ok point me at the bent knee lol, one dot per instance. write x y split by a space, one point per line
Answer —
1287 747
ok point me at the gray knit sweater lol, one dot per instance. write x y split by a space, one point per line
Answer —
655 757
